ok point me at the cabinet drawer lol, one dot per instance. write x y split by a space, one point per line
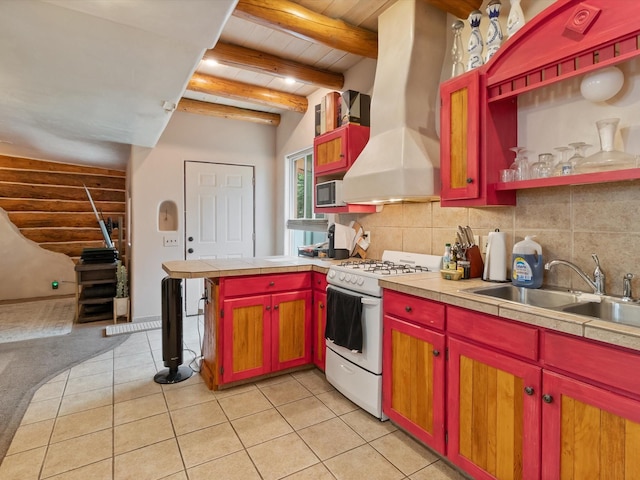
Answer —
319 281
510 337
257 284
601 363
414 309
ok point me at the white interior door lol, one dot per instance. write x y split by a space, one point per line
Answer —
219 217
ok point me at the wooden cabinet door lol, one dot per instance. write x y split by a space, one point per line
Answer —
413 389
494 413
291 329
459 137
588 432
246 332
335 151
319 323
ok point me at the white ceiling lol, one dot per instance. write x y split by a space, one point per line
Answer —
82 81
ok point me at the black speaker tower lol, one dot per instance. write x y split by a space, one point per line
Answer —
172 333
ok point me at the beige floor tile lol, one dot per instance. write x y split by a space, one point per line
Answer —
338 403
39 411
285 392
91 368
330 438
139 408
243 404
81 423
152 462
90 382
86 400
132 361
367 426
306 412
362 462
438 471
135 389
103 356
314 380
102 470
261 427
403 452
316 472
196 417
177 476
208 444
49 391
23 465
142 433
192 380
77 452
61 377
273 380
30 436
230 392
282 456
187 396
236 466
124 375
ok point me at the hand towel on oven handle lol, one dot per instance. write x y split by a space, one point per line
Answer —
344 320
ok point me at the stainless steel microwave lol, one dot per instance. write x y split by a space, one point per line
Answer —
329 194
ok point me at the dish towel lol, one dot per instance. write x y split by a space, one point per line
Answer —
344 320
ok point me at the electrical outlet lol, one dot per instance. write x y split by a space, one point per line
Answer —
170 241
367 235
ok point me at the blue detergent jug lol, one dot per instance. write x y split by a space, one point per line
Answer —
527 266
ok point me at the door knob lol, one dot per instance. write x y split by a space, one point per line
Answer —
190 250
528 390
546 398
190 239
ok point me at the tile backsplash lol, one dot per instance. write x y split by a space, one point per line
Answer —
570 223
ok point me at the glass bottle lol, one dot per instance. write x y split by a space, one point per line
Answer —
494 32
564 166
608 158
475 45
543 168
456 50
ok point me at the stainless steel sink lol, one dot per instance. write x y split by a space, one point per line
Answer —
535 297
612 311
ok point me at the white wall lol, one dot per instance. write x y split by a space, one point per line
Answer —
158 175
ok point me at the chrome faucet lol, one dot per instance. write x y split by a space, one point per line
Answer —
627 296
597 284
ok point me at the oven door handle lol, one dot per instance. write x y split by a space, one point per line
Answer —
370 301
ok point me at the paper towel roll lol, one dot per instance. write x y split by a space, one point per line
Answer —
496 268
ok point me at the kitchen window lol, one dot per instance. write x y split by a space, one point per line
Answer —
304 227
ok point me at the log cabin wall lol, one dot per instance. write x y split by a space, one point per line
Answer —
48 203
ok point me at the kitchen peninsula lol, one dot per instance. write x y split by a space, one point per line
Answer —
513 376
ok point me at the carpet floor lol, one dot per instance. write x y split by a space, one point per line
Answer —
36 319
26 365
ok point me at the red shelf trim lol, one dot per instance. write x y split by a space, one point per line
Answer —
579 179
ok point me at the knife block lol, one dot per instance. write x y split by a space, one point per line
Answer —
477 265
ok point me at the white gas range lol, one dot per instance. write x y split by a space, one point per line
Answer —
354 322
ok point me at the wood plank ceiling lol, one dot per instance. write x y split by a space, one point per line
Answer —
267 41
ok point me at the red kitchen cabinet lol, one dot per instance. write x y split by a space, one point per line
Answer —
413 389
266 327
493 397
479 114
335 151
319 318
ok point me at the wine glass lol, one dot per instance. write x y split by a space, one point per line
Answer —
578 154
520 166
563 167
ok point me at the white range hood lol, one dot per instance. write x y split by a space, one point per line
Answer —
401 161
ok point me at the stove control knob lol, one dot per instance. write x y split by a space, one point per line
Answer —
341 276
354 279
331 274
348 278
360 281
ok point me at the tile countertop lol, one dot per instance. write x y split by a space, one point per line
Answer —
424 286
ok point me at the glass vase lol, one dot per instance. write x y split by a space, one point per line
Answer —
608 158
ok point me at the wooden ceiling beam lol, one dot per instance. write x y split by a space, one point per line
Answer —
457 8
303 23
226 111
256 61
224 87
